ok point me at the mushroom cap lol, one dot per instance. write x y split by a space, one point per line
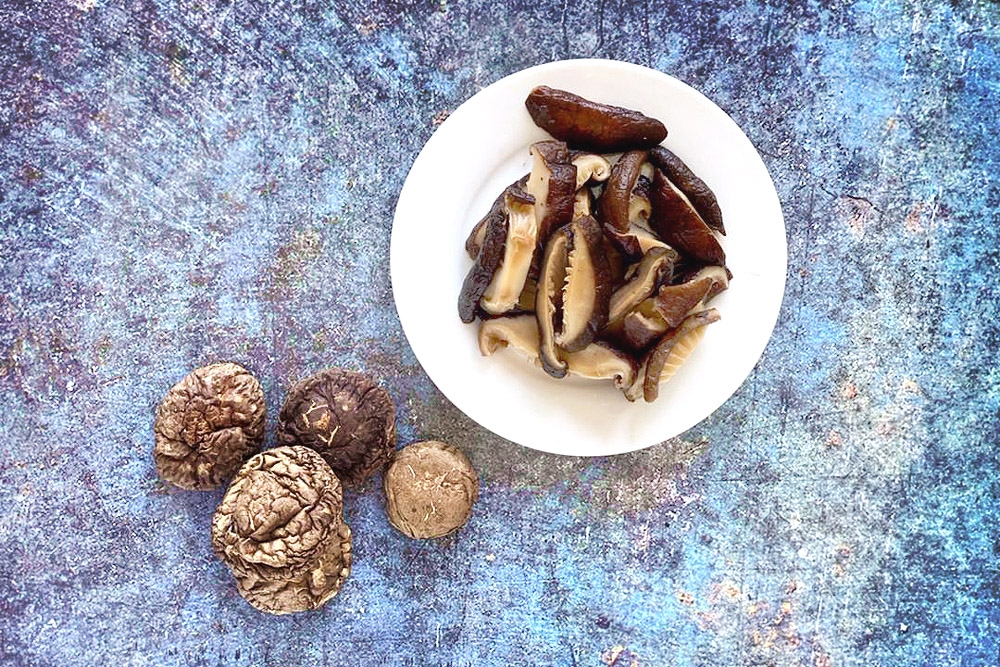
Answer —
279 514
346 416
308 590
430 489
207 425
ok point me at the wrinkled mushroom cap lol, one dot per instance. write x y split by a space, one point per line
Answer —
345 416
279 514
309 590
430 489
207 425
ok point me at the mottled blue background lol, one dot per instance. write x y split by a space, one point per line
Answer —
182 182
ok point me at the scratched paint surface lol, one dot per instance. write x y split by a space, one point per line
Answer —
186 182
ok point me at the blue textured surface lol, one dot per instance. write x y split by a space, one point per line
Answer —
181 183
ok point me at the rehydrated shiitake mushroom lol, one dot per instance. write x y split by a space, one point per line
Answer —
207 425
507 281
677 222
625 258
573 292
597 361
695 189
430 489
590 125
280 530
344 415
490 250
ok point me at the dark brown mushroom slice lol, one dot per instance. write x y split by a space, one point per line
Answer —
344 415
639 206
695 189
586 288
207 425
508 280
552 183
613 204
654 269
478 233
634 243
430 490
488 260
675 302
549 299
673 350
590 168
592 126
677 223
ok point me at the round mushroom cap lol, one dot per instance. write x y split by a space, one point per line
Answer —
430 489
279 514
207 425
345 416
310 589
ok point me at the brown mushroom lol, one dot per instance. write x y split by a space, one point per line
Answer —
675 302
505 287
673 350
475 239
597 361
549 299
488 259
592 126
695 189
583 203
552 183
207 425
613 204
590 168
587 287
430 490
344 415
278 515
675 221
654 269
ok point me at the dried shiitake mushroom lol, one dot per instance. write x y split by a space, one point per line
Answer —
430 489
344 415
278 515
306 591
207 425
280 530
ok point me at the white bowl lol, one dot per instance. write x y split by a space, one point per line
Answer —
480 149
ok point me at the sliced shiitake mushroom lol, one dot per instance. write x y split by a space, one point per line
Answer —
675 302
656 315
590 168
592 126
549 299
654 269
502 293
613 204
675 221
552 183
478 233
574 291
695 189
597 361
488 259
582 203
673 350
587 287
